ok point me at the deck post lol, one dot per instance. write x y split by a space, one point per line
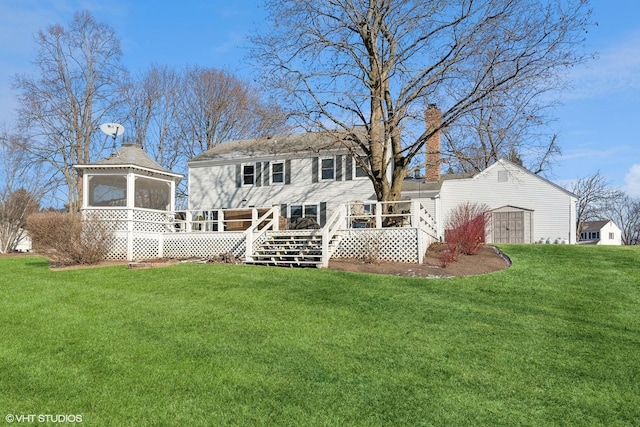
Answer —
379 215
415 223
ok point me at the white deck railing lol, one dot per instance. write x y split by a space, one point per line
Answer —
404 213
406 220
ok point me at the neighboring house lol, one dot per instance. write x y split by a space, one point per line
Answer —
24 243
18 239
310 175
603 232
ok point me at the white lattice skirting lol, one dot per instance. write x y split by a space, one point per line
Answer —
202 245
144 234
399 245
176 245
392 244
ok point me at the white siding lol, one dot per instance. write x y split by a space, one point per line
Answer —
214 186
503 184
610 228
24 244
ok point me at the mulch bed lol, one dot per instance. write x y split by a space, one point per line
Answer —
487 260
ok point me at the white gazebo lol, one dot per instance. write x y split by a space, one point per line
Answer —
132 192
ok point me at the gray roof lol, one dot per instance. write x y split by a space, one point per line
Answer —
594 225
271 146
129 155
419 184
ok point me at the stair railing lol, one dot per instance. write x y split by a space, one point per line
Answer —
269 221
337 221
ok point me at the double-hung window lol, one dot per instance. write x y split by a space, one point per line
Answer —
277 173
248 174
360 172
328 169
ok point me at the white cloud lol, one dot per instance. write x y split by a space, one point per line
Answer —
632 181
615 70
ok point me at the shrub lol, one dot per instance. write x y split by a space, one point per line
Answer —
67 239
465 231
448 256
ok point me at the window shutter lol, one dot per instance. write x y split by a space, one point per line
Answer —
314 169
265 174
338 168
238 176
283 210
323 213
258 177
349 169
287 172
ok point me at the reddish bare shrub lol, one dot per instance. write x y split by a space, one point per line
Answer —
66 239
465 231
449 255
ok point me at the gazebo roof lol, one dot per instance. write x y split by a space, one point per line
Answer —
130 156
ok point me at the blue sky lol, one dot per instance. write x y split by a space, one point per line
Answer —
597 122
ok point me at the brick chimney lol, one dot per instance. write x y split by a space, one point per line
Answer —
433 117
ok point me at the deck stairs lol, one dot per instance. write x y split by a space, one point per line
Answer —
298 248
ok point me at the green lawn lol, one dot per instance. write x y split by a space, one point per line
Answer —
554 340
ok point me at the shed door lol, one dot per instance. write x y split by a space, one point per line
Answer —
508 227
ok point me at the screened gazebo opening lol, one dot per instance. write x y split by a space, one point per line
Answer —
152 194
108 190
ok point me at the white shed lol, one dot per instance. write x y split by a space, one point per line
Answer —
545 211
524 207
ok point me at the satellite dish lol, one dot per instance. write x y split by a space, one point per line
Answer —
112 129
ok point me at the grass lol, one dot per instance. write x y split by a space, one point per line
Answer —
553 340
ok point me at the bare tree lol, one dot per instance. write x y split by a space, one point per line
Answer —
178 114
153 101
377 64
507 124
76 89
594 197
20 192
217 106
625 212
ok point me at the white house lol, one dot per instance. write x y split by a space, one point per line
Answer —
307 175
603 232
310 175
24 243
302 199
